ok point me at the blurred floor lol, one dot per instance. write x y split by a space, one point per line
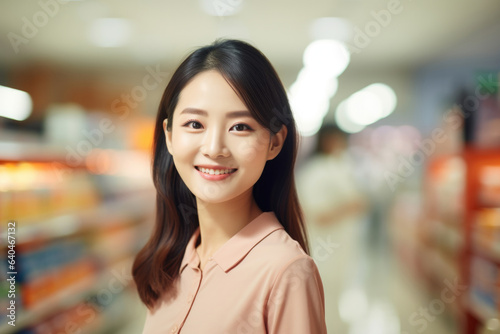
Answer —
135 325
383 297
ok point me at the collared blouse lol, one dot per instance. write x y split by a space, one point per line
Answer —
259 281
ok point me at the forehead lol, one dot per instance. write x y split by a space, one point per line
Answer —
209 91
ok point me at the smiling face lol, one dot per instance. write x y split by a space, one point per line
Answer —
218 148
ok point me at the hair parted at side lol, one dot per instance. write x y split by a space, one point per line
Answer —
254 79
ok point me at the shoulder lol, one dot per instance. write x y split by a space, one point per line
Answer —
280 245
295 302
279 252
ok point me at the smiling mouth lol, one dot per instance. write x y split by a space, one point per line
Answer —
210 171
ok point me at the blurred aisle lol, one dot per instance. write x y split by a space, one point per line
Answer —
384 297
136 323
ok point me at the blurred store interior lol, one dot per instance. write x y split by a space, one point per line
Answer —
410 172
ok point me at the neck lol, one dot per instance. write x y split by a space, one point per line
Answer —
220 221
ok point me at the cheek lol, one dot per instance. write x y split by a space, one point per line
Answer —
253 149
181 144
183 155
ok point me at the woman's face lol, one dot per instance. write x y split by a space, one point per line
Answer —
218 148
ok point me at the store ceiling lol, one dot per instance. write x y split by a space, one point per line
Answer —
164 31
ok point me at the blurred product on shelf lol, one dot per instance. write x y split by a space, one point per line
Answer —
77 231
37 190
487 123
489 193
50 267
486 232
484 287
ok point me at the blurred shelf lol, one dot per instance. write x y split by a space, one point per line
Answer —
33 152
436 266
489 253
480 310
126 206
122 317
65 298
123 202
448 238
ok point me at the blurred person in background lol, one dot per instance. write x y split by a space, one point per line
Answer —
334 208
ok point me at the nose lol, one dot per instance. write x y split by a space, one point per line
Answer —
213 145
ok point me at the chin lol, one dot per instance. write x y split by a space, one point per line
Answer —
206 200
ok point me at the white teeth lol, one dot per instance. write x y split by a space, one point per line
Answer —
216 171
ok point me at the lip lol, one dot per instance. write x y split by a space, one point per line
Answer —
214 167
214 177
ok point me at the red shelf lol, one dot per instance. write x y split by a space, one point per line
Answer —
442 213
476 160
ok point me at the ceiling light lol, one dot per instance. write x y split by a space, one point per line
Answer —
368 105
343 120
15 104
327 56
308 112
310 98
364 107
386 95
314 84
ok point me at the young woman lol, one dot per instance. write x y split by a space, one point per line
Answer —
229 252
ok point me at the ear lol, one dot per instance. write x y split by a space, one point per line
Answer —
168 135
276 144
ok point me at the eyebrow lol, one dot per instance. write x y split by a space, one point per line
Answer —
231 114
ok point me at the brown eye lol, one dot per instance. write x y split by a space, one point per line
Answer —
195 125
241 127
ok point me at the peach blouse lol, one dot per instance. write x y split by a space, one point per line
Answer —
259 281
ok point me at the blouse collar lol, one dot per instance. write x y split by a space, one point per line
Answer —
236 248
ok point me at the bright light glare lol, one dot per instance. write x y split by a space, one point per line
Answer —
15 104
386 95
310 98
327 56
308 112
110 32
367 106
308 127
343 120
364 107
353 304
314 85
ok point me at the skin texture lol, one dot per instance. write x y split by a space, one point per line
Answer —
213 138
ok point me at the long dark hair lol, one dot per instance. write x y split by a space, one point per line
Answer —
256 82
